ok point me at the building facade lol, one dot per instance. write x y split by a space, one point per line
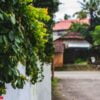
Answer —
68 45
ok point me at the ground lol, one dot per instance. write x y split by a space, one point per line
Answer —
78 85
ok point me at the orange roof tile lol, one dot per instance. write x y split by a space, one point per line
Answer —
73 35
66 24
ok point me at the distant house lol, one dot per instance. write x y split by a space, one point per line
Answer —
61 27
68 45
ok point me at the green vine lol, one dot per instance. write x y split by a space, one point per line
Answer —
22 39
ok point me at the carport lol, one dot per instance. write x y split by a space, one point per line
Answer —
75 49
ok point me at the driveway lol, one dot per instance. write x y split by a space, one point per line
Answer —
79 85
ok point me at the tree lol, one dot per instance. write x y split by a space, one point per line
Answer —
66 16
80 28
96 43
90 8
81 15
96 35
52 7
22 39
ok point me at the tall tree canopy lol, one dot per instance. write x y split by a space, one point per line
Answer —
81 14
90 8
22 39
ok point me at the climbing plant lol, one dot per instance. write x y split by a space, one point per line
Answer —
22 39
52 6
96 35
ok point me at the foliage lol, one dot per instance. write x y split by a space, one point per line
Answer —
96 35
22 39
55 82
80 28
90 8
81 61
81 15
66 16
52 7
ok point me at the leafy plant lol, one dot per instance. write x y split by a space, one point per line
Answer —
22 39
96 35
90 8
80 61
52 6
80 28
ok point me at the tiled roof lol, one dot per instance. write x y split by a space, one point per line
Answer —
73 35
66 24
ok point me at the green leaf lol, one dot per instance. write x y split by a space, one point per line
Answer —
5 40
17 40
3 0
11 36
13 19
1 41
1 17
14 49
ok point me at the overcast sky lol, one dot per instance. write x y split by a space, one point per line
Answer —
67 7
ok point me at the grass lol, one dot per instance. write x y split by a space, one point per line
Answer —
55 82
76 67
55 91
81 61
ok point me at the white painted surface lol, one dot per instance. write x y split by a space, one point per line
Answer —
56 37
39 91
79 44
44 88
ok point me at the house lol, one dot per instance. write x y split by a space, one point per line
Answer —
61 27
68 45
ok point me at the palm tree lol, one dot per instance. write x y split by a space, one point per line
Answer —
89 8
81 14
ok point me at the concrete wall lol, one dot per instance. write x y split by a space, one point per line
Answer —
39 91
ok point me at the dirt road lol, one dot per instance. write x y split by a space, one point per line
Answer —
79 85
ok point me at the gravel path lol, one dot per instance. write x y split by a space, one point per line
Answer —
79 85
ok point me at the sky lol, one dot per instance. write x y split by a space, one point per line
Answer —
67 7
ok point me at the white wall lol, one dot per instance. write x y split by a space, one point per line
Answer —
40 91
